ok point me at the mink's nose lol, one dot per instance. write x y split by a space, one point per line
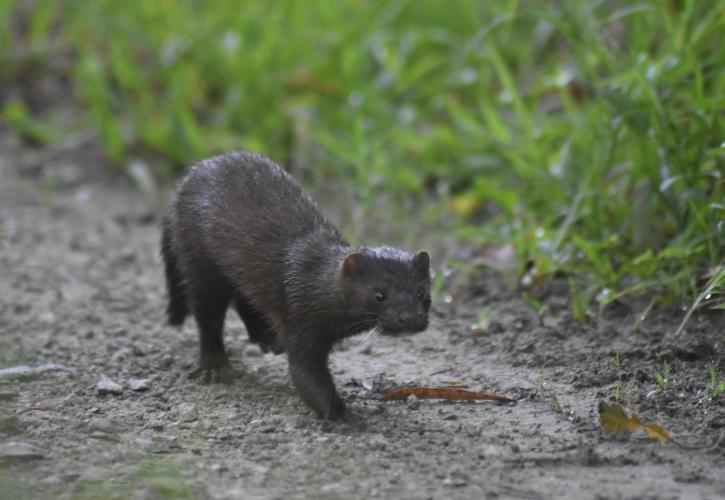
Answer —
405 319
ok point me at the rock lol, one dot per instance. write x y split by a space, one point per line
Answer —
454 482
413 402
16 372
108 386
139 384
17 450
186 412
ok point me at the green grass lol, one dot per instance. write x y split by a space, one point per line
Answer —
717 386
587 134
662 378
549 396
620 377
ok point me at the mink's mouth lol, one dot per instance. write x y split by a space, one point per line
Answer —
402 331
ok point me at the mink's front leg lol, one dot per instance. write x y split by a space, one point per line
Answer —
312 378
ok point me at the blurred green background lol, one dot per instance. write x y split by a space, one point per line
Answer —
585 137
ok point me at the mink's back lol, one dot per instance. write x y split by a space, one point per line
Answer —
252 194
242 214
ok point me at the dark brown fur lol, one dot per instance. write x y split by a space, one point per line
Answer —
241 231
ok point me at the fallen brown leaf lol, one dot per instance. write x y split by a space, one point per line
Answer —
443 393
38 407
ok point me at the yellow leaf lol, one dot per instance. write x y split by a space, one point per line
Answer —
613 418
655 431
633 422
615 421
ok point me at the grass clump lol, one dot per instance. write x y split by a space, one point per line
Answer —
587 135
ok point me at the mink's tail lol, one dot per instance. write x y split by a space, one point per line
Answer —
178 308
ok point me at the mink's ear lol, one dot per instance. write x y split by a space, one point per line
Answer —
421 262
355 264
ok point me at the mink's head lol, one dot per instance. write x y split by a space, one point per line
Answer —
388 287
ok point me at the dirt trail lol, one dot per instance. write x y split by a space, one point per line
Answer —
81 299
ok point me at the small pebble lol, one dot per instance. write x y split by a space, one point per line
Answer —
108 386
139 384
454 482
186 412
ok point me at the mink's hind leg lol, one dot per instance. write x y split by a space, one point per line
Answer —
258 328
209 304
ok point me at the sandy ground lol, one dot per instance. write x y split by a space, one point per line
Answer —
82 300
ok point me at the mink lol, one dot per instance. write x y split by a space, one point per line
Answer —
242 232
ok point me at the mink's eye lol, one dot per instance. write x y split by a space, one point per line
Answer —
421 294
379 296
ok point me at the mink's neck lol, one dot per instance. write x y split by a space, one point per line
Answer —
313 287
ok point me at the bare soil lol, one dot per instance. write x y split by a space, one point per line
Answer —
82 299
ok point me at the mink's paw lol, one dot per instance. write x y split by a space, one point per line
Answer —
335 410
214 370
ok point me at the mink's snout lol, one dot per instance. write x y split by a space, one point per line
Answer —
404 322
412 322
